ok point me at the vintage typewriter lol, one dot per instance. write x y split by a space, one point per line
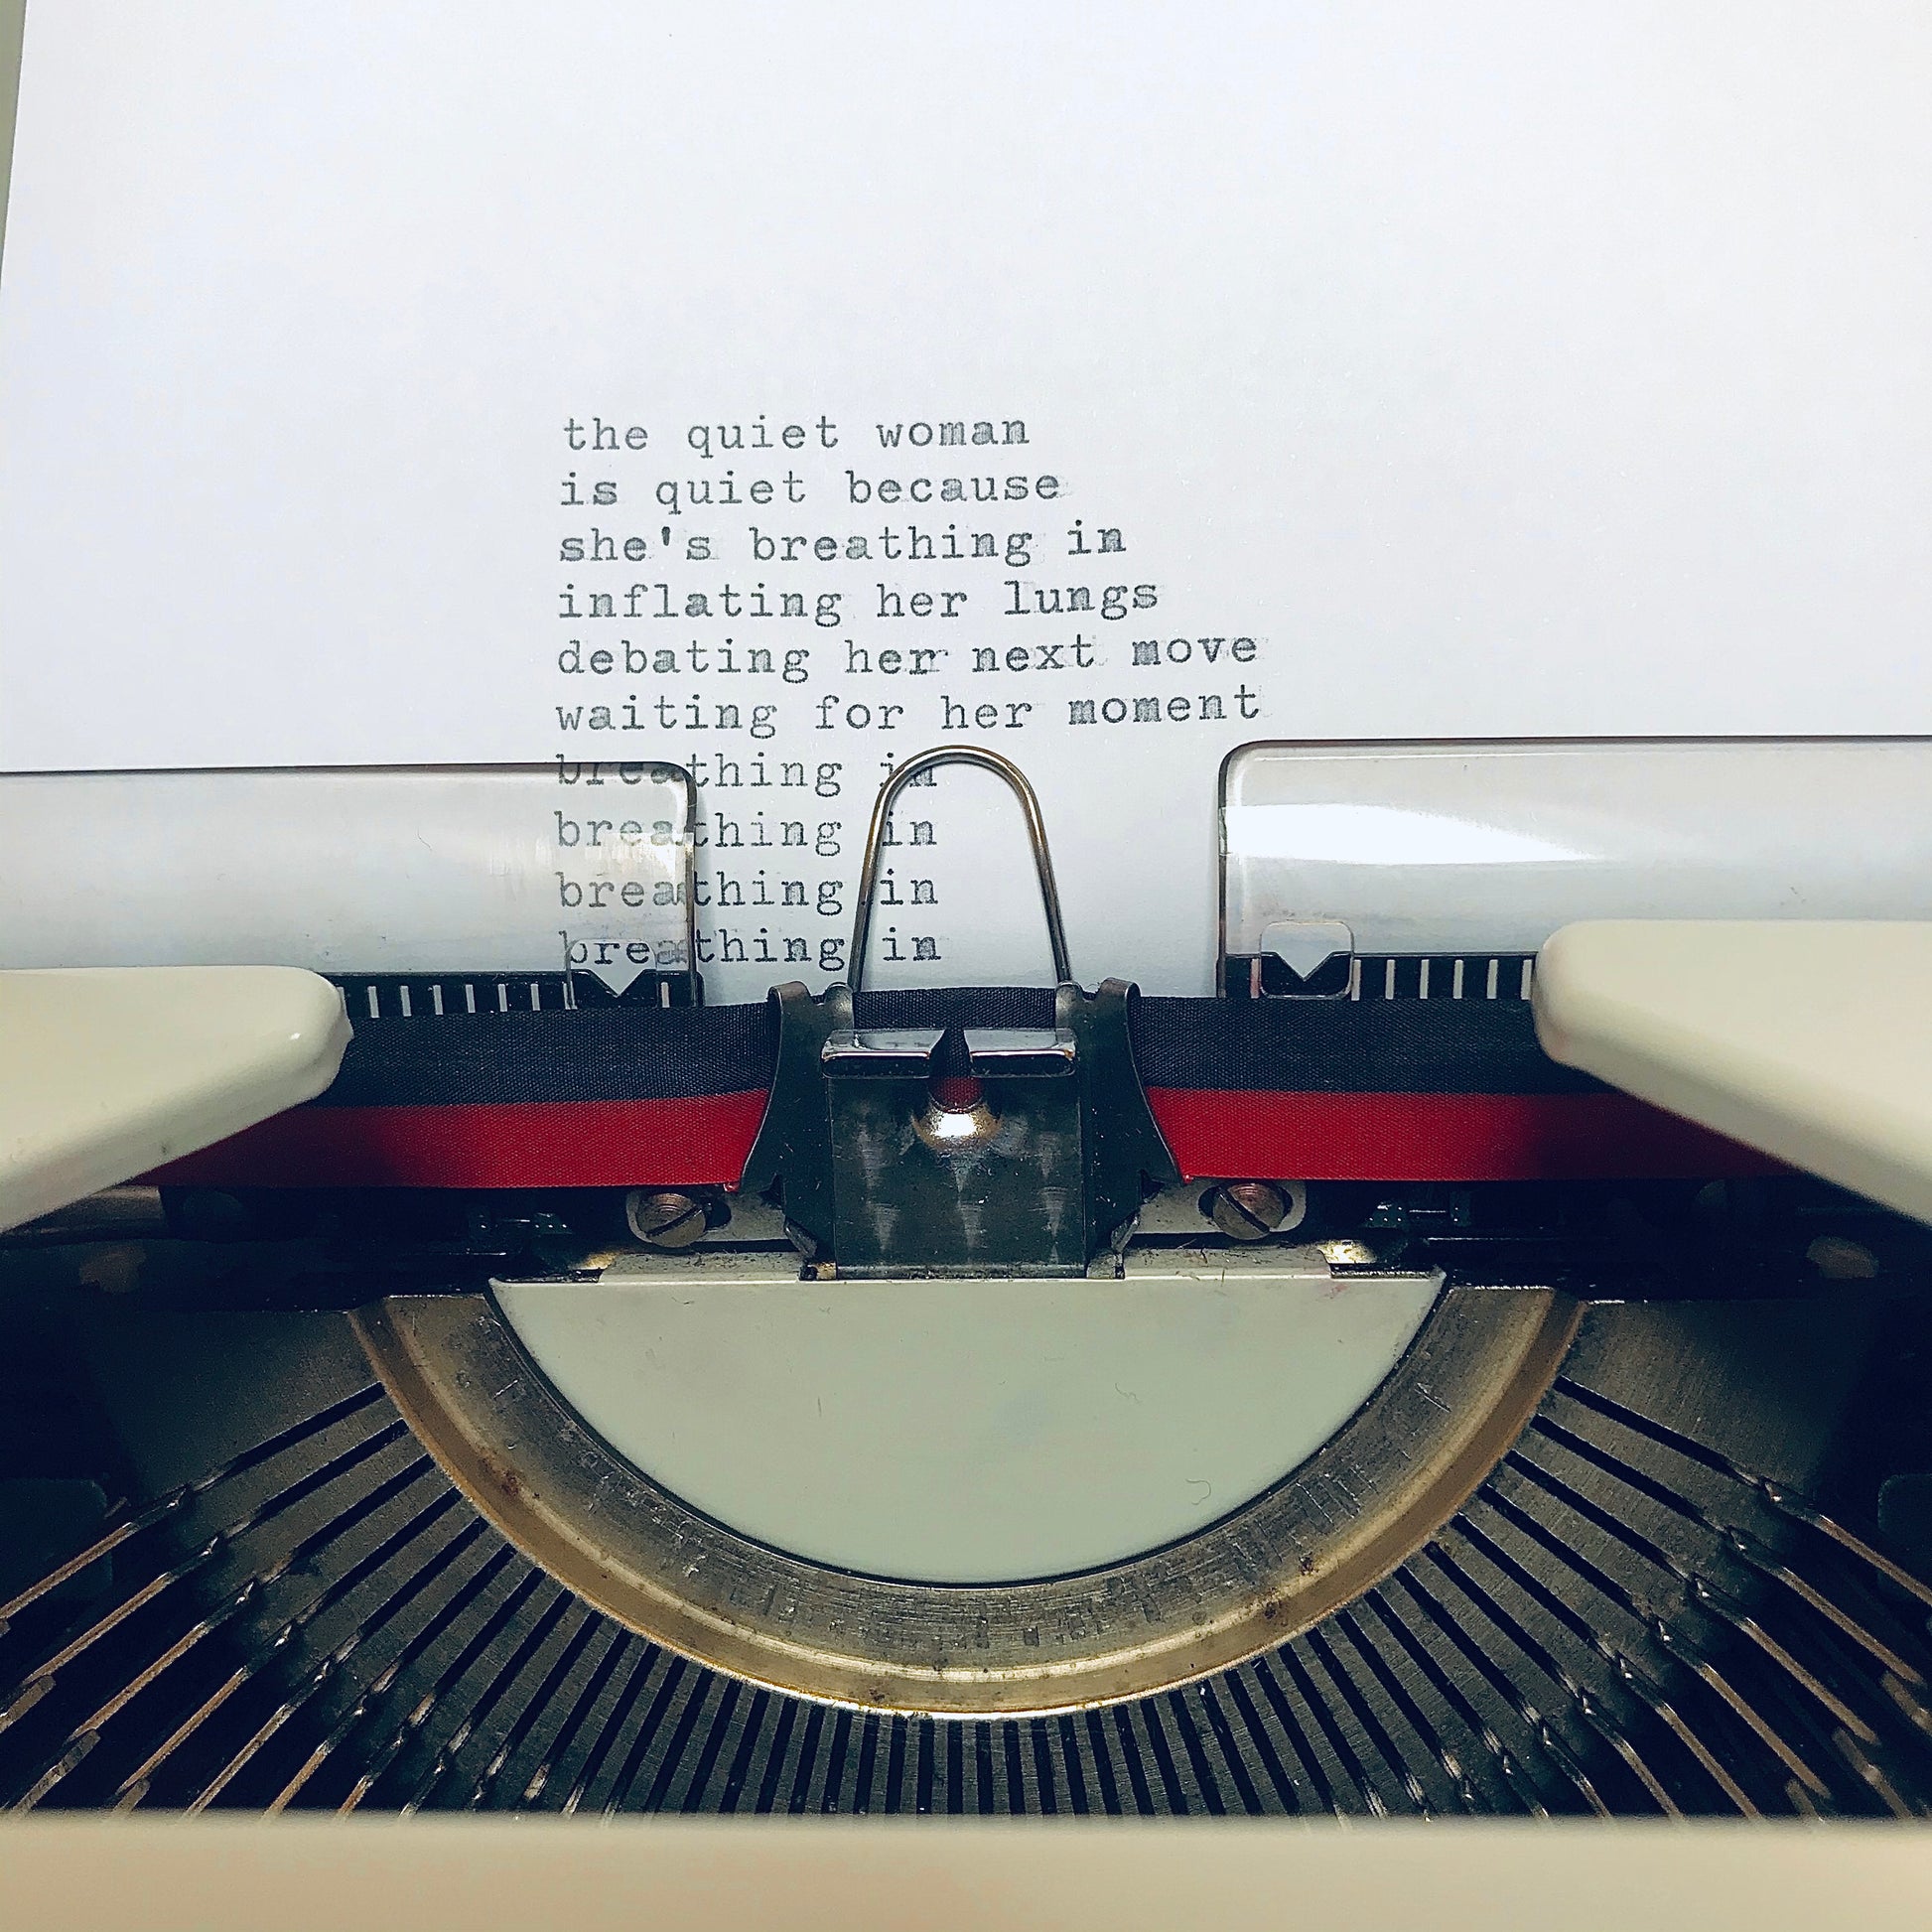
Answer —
1318 1398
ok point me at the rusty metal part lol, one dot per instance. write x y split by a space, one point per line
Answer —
662 1220
1406 1462
1247 1210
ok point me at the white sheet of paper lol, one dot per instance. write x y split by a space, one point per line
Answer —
1488 370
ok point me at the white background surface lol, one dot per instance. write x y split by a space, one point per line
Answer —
1501 369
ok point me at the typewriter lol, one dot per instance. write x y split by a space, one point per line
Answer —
1346 1394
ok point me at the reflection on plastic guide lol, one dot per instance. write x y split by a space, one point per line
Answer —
455 870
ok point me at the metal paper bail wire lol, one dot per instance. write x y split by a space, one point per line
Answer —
1017 784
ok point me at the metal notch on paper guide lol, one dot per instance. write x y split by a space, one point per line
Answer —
1302 959
958 1151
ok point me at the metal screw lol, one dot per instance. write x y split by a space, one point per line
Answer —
1840 1259
1247 1210
664 1220
115 1271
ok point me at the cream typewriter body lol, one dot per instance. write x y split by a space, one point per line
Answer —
499 1381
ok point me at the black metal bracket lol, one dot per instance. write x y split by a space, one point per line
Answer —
958 1151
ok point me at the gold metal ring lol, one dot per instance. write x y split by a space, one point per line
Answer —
1377 1490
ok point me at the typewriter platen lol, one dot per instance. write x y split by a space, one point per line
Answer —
1312 1399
